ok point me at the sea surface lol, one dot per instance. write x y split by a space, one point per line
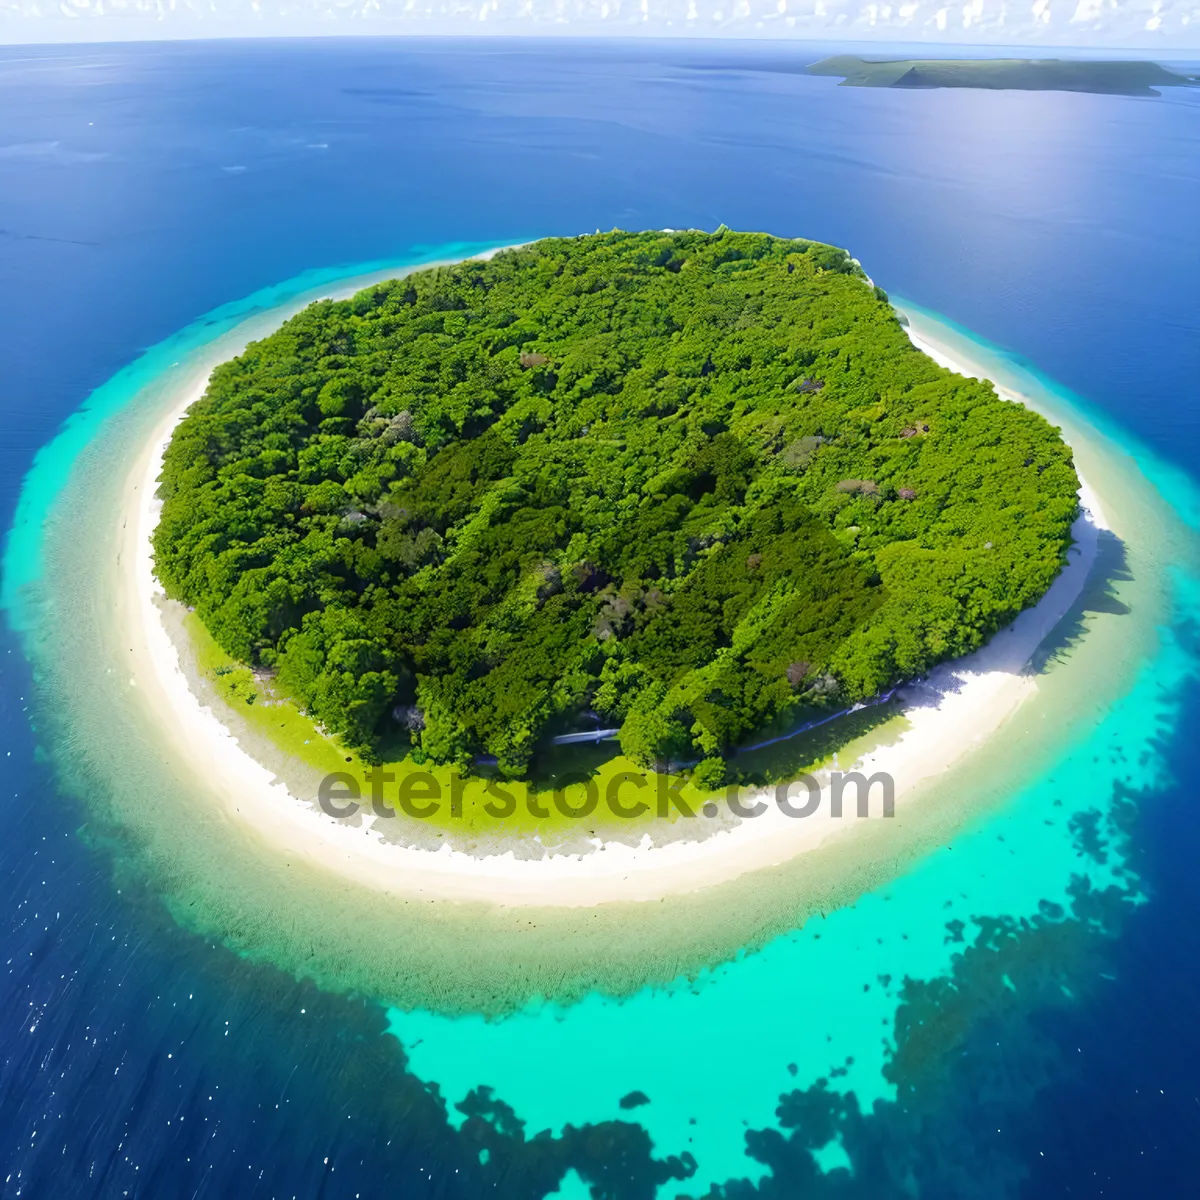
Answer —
1014 1015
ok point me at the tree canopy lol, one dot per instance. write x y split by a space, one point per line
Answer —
684 483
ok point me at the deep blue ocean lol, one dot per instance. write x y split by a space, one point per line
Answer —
142 186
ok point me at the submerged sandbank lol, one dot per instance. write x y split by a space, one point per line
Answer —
947 716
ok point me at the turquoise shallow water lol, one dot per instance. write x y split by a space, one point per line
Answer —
714 1054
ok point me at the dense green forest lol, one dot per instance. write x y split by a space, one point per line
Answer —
685 482
1104 77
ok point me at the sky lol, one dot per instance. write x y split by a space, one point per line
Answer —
1162 26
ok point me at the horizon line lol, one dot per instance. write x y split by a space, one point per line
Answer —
548 33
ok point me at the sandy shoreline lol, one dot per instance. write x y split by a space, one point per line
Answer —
949 714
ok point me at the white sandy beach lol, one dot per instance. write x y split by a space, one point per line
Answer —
949 714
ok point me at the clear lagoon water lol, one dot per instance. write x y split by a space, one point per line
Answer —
1009 1015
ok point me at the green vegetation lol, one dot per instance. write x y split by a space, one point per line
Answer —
1104 77
686 484
569 779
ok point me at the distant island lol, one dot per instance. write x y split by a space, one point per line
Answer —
1015 74
683 484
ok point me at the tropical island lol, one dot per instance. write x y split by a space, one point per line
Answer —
1104 77
682 485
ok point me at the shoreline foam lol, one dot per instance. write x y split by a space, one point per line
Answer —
950 713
